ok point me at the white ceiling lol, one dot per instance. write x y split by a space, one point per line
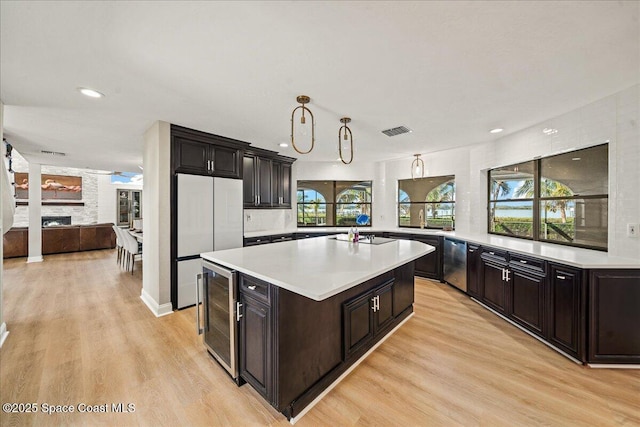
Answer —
448 70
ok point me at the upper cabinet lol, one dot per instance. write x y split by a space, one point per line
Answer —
266 180
201 153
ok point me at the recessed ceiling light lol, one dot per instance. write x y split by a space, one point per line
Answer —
576 158
283 144
549 131
90 92
496 130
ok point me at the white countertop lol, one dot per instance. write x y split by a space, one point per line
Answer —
319 267
577 257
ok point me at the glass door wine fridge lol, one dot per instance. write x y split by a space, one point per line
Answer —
216 314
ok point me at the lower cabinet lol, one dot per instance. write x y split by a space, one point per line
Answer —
255 352
494 282
614 317
366 316
566 310
527 299
473 271
430 265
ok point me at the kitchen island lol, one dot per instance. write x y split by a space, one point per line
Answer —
310 310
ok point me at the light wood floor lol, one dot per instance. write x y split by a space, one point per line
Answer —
79 333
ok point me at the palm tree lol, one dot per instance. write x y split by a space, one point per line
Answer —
548 188
442 193
499 188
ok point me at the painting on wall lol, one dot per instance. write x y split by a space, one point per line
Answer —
54 187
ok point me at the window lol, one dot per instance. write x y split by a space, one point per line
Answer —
334 203
427 202
560 199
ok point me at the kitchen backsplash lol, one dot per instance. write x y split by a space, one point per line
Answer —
268 219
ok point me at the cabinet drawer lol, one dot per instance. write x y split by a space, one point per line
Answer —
254 288
533 264
495 254
281 238
252 241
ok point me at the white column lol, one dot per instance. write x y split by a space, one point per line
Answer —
35 213
3 326
156 222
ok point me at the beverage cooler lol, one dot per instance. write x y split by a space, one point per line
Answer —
129 206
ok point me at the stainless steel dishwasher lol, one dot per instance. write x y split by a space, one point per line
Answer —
455 263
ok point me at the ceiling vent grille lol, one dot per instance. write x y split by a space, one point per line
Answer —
53 153
396 131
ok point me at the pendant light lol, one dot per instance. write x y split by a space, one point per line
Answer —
417 167
344 133
302 100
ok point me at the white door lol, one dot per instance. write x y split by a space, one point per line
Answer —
228 221
195 214
187 271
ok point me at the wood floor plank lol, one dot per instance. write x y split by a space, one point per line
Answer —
79 333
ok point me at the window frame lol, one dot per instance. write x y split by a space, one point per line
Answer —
425 203
538 198
333 204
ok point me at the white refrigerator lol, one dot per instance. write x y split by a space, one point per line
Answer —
209 218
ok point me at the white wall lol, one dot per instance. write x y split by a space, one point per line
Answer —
3 325
156 208
107 198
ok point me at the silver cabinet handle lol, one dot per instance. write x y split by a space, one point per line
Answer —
198 328
373 301
252 287
238 313
560 277
503 274
258 199
506 272
523 261
492 253
472 250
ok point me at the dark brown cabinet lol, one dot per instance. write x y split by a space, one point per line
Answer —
614 317
473 271
527 299
255 338
430 265
366 316
566 310
257 182
200 153
267 180
494 281
281 182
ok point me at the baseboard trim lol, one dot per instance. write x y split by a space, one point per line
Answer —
157 309
347 372
35 259
3 333
612 366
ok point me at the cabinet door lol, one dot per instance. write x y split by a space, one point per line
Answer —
493 285
283 197
225 161
527 299
358 323
565 310
249 193
473 271
192 156
263 182
614 318
383 315
430 265
255 348
276 183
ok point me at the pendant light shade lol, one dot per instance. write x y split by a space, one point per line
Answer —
344 133
417 167
302 100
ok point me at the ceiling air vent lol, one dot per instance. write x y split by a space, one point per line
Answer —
396 131
53 153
